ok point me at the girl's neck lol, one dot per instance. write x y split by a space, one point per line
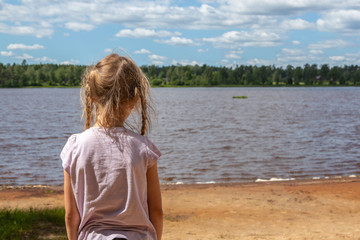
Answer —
101 121
123 114
98 124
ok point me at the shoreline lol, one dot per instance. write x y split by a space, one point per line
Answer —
297 209
258 181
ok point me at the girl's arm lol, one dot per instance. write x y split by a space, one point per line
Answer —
154 200
72 216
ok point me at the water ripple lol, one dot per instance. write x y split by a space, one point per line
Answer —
204 134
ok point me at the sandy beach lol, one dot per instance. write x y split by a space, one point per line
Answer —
307 209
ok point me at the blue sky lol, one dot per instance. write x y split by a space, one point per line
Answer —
212 32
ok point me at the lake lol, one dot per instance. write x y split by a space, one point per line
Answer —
204 134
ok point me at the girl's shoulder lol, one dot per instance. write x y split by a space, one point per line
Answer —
81 138
151 149
93 135
141 138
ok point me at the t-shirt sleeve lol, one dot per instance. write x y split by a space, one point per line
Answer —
66 154
153 154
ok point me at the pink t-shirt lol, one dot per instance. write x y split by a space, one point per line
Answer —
108 177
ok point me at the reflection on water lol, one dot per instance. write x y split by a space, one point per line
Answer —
204 134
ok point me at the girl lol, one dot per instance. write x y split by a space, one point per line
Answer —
111 185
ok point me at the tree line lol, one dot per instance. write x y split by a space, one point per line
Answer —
48 75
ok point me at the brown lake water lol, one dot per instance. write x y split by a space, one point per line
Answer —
204 134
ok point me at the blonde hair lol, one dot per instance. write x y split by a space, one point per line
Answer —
109 87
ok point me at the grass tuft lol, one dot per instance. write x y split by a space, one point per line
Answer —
241 97
32 224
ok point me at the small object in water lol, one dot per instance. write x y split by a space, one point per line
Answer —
242 97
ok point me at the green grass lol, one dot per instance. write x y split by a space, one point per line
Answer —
242 97
32 224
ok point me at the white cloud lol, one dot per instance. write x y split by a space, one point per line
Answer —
202 50
283 7
46 59
234 54
295 42
238 51
316 51
185 62
224 61
329 44
70 62
258 62
144 33
6 54
142 51
235 39
353 57
35 59
39 32
179 41
337 58
340 20
297 24
296 57
291 51
108 50
41 16
155 57
78 26
15 46
295 60
156 62
25 56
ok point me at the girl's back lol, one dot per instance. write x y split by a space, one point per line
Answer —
108 172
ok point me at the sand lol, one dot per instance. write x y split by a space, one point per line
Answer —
308 209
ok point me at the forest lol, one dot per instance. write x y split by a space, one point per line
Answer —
55 75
